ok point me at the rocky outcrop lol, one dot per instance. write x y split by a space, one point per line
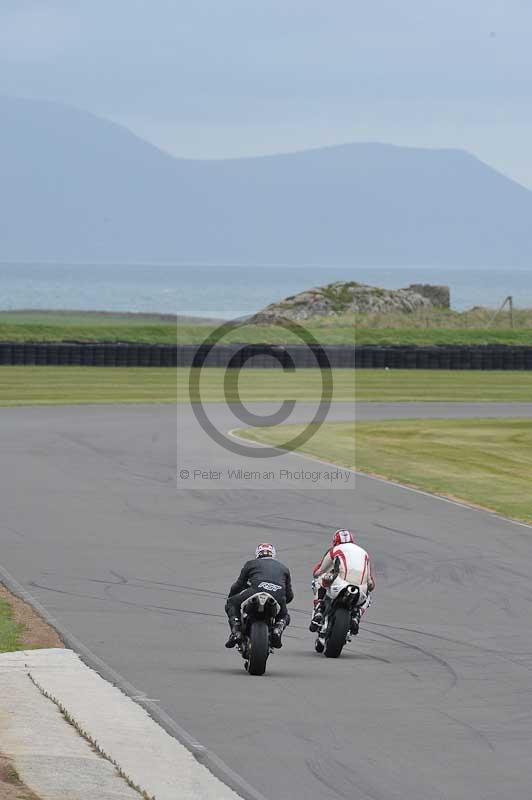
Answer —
344 298
439 296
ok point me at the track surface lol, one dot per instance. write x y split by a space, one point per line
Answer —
431 701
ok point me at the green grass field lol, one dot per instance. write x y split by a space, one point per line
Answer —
487 462
10 632
79 385
434 327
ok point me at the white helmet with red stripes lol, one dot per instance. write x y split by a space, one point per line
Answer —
343 537
265 551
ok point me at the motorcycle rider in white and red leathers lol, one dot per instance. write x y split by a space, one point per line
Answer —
355 568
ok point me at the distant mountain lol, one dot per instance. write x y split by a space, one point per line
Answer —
74 186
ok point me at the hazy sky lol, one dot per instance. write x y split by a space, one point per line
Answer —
239 77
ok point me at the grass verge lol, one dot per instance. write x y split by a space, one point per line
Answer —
81 385
21 628
486 462
433 326
11 631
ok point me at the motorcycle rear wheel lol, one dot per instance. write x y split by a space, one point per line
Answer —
259 647
338 634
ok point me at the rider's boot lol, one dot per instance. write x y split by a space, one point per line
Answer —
236 635
317 617
277 633
355 621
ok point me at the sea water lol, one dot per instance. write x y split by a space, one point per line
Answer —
223 291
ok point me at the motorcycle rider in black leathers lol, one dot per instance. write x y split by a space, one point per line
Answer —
263 572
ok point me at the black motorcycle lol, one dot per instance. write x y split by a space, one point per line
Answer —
258 614
341 599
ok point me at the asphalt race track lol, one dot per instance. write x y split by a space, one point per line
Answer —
432 701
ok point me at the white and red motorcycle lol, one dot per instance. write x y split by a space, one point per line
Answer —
341 599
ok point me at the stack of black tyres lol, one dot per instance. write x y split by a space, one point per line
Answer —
125 354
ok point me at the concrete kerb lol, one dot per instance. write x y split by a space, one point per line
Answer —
203 755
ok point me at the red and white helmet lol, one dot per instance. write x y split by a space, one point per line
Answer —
343 537
265 551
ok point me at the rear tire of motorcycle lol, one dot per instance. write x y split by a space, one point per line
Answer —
337 637
259 647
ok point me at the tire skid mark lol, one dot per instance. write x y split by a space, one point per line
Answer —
146 582
329 772
467 725
441 661
409 535
471 645
170 610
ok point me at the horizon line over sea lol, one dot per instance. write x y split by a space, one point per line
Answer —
230 291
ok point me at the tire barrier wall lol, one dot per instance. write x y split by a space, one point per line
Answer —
488 357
